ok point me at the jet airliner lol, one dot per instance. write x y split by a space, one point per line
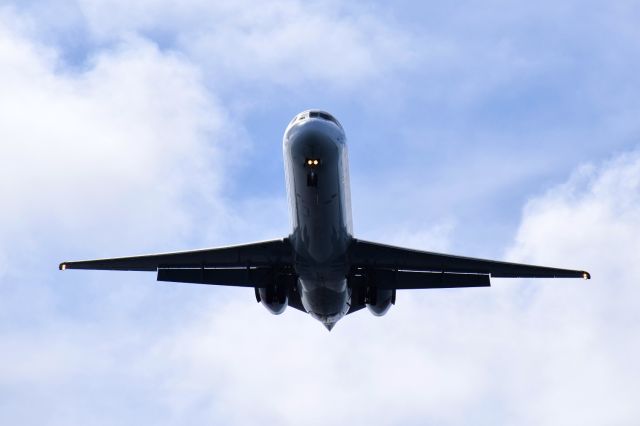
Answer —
320 268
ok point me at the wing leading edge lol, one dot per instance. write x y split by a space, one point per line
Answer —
254 255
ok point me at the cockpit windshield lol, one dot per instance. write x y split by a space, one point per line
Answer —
316 114
324 116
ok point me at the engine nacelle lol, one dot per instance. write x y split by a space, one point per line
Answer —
379 300
275 298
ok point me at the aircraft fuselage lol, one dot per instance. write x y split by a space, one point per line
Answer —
317 175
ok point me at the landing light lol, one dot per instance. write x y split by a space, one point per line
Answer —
63 267
315 162
585 275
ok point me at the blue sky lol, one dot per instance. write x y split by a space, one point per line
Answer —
497 129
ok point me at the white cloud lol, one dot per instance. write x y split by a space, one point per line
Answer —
135 128
286 42
583 370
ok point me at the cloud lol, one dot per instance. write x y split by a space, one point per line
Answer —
579 339
137 127
284 42
125 154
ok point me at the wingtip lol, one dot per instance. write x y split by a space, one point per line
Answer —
586 275
62 266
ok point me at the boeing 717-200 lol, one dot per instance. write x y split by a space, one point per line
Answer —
321 268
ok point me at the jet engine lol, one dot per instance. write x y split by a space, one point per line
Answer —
379 300
274 298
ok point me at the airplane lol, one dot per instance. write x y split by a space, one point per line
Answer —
320 268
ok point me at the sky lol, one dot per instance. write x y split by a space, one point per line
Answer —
496 129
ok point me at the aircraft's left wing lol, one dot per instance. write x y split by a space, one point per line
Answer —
406 268
265 253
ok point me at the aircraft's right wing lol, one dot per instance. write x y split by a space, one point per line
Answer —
247 265
406 268
266 253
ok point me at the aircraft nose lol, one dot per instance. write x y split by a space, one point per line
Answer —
314 131
310 141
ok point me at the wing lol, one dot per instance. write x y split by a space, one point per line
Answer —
246 265
406 268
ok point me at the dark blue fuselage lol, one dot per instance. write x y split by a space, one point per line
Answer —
316 168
